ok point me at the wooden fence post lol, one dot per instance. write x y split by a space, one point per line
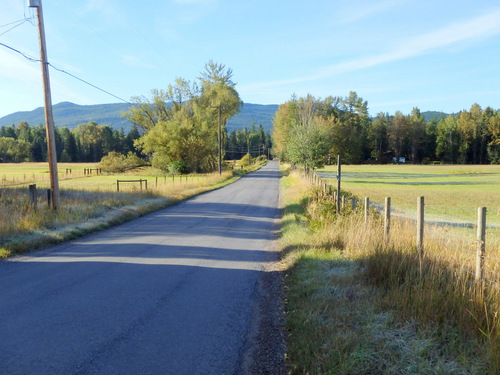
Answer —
367 208
481 242
33 196
49 197
420 228
387 219
353 204
339 171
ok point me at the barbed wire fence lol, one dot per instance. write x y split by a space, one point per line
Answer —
482 253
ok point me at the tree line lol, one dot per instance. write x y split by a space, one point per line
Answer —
88 142
311 132
177 130
253 141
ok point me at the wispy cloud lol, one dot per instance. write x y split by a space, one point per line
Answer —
195 2
136 62
357 11
477 28
106 11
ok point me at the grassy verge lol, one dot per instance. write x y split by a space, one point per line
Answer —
359 305
89 204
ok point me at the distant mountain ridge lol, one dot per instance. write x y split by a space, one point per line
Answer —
71 115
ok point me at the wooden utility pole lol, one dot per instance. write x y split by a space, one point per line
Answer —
49 118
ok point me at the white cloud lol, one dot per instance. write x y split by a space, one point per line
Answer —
356 11
107 12
136 62
195 2
477 28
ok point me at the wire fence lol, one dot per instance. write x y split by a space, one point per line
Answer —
475 245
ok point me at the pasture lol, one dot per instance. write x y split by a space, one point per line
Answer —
452 195
89 201
361 300
452 192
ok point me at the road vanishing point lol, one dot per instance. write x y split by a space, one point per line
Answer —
174 292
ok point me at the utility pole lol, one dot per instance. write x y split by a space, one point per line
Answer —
49 119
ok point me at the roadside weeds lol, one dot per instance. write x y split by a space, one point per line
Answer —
339 322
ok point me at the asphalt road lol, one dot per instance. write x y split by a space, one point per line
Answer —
174 292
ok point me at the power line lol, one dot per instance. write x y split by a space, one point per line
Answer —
88 83
11 23
21 53
65 72
13 27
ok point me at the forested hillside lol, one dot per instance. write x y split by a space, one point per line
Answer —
71 115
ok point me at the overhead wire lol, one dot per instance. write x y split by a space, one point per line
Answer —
65 72
32 59
88 83
18 23
11 23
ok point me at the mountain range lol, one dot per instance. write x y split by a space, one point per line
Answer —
71 115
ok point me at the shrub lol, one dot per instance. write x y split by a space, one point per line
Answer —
115 162
246 160
177 167
261 159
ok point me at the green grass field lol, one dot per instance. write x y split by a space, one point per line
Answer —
72 176
452 192
88 201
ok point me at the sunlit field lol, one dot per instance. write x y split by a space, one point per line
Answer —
451 192
452 195
89 200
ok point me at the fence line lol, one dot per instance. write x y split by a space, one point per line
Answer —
480 248
140 181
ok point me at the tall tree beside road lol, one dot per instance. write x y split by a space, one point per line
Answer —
303 132
310 131
181 124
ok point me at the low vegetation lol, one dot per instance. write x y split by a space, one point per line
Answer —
89 202
360 304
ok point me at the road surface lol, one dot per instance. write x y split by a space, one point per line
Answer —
175 292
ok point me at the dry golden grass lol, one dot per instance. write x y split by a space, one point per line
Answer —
361 303
88 202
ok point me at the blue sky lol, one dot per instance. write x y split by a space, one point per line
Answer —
397 54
